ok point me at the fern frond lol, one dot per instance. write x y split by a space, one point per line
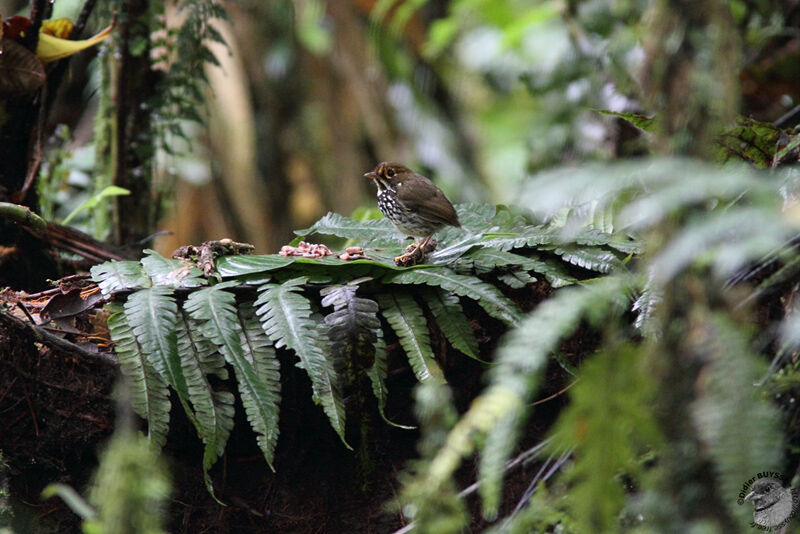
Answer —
531 236
213 409
521 357
497 449
488 259
406 319
450 317
169 272
609 423
151 314
113 276
487 296
728 399
367 231
286 318
735 237
215 310
592 259
353 325
149 393
377 376
517 279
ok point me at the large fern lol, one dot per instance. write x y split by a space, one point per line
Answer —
173 331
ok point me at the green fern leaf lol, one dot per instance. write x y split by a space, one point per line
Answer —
521 358
258 350
173 273
352 326
368 231
213 409
152 313
377 376
528 237
487 296
407 320
450 317
113 276
230 266
286 318
592 259
215 311
497 448
149 393
516 279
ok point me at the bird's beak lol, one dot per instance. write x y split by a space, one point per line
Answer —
371 175
750 496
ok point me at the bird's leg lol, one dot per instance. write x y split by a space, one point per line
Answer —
414 253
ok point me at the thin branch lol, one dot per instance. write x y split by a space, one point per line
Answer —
43 336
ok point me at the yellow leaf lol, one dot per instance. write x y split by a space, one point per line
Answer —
52 48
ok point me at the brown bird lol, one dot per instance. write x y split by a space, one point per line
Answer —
413 204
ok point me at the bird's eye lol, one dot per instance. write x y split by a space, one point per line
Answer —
390 173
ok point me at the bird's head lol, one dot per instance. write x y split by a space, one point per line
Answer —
388 175
765 492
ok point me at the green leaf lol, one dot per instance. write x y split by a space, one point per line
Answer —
353 325
215 310
92 202
608 421
213 409
169 272
516 279
752 141
794 142
72 499
446 308
487 296
592 259
149 393
406 319
367 231
642 122
114 276
229 266
151 314
377 375
286 318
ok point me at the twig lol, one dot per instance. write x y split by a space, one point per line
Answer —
83 18
24 216
554 395
45 337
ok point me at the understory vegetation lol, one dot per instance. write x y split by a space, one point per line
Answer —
608 343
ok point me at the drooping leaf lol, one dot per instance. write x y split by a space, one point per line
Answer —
151 314
213 409
489 298
377 376
149 393
451 319
407 320
214 309
353 325
286 318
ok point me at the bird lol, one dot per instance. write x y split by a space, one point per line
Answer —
413 204
772 503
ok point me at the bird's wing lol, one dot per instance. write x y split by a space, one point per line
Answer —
428 201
